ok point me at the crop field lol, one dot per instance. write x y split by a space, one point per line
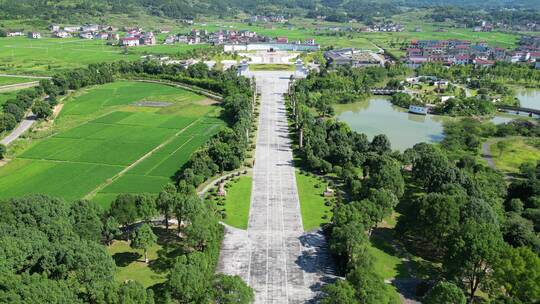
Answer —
49 55
105 145
6 80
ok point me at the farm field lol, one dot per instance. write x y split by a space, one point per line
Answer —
104 145
5 80
49 55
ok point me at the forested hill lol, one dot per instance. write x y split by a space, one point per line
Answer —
81 10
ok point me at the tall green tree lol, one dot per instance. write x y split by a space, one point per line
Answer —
518 272
340 292
165 202
231 290
188 280
144 238
124 209
472 255
445 292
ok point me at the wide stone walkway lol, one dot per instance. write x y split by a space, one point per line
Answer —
277 259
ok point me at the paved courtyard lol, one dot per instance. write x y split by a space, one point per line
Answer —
277 259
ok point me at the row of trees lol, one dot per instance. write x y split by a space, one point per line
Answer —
15 110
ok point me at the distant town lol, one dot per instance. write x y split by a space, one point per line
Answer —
460 52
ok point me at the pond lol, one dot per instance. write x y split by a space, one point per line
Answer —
529 98
379 116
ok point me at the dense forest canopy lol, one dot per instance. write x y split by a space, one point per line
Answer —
337 10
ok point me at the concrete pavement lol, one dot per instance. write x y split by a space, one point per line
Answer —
19 130
277 259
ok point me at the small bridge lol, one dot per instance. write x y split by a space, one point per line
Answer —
385 91
518 110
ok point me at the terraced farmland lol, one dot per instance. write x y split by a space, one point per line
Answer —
105 145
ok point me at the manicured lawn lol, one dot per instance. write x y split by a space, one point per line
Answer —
314 211
517 152
272 67
237 202
100 132
130 264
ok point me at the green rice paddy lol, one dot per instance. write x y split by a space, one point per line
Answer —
49 55
100 134
6 80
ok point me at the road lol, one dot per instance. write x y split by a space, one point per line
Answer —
486 154
25 76
19 130
277 259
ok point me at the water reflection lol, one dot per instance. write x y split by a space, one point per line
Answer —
379 116
529 98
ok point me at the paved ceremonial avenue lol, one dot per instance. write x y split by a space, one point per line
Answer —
277 259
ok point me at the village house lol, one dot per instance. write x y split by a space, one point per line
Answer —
148 39
54 28
309 41
170 39
129 41
34 35
101 35
61 34
15 33
450 52
86 35
483 63
282 40
354 58
72 28
90 28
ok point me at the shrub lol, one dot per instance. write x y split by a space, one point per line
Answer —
3 151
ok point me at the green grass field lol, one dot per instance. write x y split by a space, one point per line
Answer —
100 133
5 96
49 55
5 80
237 202
517 152
272 67
130 264
314 211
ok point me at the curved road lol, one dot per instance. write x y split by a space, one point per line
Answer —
19 130
274 256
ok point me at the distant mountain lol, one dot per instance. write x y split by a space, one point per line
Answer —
64 10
